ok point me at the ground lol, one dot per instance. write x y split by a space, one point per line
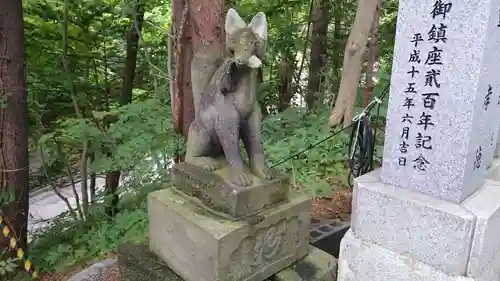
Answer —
337 207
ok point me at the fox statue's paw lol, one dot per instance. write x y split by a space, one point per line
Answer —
206 163
263 173
240 178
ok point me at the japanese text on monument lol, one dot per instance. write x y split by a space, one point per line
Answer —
419 137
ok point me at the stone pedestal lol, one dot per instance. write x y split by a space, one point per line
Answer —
138 263
362 260
206 229
199 244
397 235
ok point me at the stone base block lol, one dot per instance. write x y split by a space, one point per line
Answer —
415 225
317 266
361 261
137 263
484 261
213 189
200 245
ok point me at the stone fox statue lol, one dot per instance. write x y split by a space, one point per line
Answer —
224 94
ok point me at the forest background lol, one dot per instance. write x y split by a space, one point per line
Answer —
106 100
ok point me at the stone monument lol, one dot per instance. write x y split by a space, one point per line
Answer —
429 213
497 150
225 218
494 168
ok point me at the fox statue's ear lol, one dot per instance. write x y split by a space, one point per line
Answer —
233 22
259 26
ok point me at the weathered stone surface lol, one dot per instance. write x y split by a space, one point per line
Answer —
137 263
200 245
412 224
497 149
95 272
465 116
361 261
214 190
484 262
316 266
489 84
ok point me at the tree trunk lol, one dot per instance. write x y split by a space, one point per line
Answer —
196 22
133 37
373 55
78 111
351 68
84 190
14 163
93 177
337 45
285 72
298 74
69 171
319 29
112 199
92 187
56 187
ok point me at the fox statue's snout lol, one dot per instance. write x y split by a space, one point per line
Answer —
245 42
253 61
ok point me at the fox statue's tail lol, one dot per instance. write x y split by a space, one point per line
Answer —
205 62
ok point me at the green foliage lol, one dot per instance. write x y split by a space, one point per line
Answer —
66 243
7 265
94 239
317 169
96 39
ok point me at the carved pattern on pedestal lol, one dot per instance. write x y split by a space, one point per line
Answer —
266 246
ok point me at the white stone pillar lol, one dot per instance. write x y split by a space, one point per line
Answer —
428 213
497 150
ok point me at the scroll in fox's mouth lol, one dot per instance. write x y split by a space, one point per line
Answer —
253 62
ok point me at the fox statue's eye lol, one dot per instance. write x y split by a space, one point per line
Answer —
231 51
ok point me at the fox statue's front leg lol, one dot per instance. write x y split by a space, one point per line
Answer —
199 147
251 136
227 127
